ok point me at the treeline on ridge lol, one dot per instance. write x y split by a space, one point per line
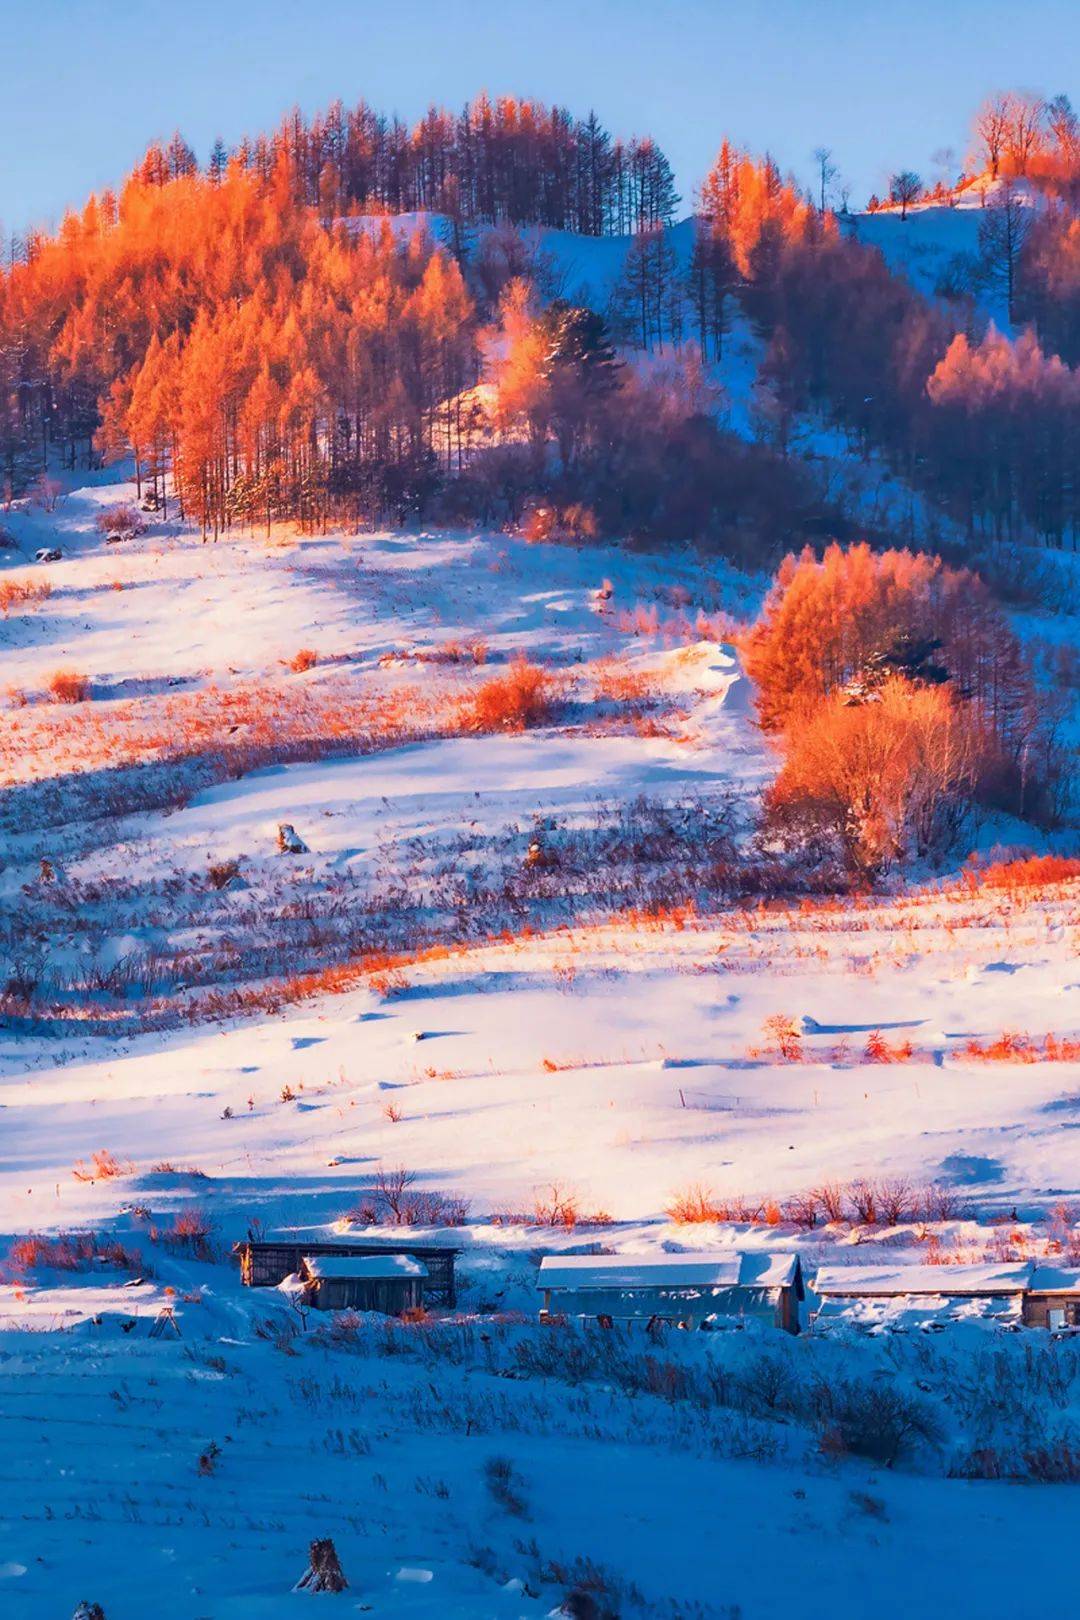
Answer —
506 158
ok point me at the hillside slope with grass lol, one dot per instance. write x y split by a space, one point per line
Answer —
399 885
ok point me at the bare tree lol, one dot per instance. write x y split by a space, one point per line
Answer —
991 126
945 164
1064 126
1024 132
1004 228
905 188
392 1185
827 172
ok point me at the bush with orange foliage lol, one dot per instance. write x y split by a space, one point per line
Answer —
103 1166
1030 872
575 521
785 1037
521 697
875 782
693 1205
71 1251
20 592
67 686
879 1050
191 1230
857 615
123 519
1011 1046
306 658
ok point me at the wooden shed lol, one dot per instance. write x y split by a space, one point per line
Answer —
899 1297
268 1261
390 1283
692 1290
1053 1298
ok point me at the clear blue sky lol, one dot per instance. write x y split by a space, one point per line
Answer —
86 84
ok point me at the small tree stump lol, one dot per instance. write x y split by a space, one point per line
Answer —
324 1572
289 841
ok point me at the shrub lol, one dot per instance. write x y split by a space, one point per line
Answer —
785 1037
878 1049
306 658
693 1204
17 592
219 874
1057 1463
121 519
872 1420
104 1166
521 697
858 616
208 1459
46 492
1031 872
71 1251
555 1205
192 1229
67 686
860 631
575 521
873 782
393 1202
504 1485
829 1196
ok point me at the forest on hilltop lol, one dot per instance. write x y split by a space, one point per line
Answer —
270 345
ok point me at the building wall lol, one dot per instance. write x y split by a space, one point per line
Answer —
1037 1308
390 1297
267 1263
774 1307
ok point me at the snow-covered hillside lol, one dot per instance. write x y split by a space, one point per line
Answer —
482 969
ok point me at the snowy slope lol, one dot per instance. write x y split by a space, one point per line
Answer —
612 1048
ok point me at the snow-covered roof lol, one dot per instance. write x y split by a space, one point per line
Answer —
905 1313
1055 1280
712 1269
881 1281
368 1267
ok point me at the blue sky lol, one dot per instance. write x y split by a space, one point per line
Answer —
87 83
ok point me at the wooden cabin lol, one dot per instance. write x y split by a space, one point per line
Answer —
712 1289
388 1283
1053 1298
267 1262
900 1297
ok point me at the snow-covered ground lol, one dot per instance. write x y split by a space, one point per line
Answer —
540 1046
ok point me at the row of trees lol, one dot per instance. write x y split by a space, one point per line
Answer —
1018 134
497 159
747 210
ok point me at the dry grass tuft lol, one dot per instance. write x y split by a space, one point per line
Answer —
67 686
510 702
